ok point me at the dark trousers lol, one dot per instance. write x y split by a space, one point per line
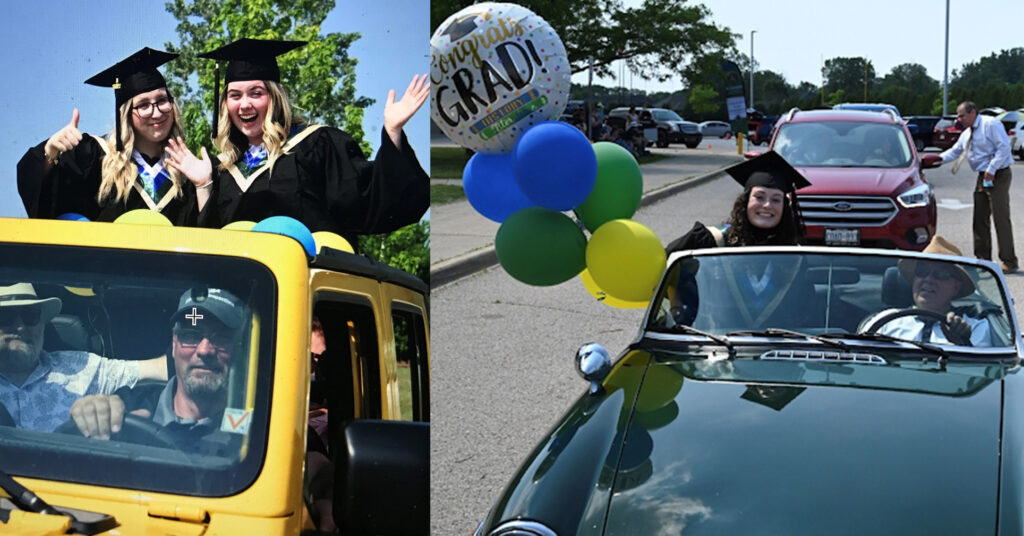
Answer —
994 204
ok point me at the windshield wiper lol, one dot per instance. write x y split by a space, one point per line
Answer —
25 498
690 330
943 355
779 332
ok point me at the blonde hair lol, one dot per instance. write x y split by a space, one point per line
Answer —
276 126
118 171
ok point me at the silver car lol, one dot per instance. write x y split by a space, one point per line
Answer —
718 129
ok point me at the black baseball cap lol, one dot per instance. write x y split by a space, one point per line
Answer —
196 303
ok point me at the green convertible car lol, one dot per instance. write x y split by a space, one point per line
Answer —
796 390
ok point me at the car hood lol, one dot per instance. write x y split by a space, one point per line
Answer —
680 442
854 181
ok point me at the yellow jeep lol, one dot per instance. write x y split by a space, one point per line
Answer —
120 284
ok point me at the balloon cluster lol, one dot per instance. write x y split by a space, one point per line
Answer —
499 73
283 225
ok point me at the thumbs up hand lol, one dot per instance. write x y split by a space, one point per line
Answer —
64 139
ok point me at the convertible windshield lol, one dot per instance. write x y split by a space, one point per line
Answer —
844 144
93 322
923 299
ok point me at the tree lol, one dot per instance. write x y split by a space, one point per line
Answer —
1005 67
704 100
323 90
912 76
848 75
407 249
658 39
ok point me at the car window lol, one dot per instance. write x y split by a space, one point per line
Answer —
666 115
844 144
818 293
126 305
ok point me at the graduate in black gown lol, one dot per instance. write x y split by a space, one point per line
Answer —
102 178
762 214
274 163
761 293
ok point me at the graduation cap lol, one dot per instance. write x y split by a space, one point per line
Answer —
248 59
131 76
775 397
771 171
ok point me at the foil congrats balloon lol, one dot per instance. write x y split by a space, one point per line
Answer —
495 70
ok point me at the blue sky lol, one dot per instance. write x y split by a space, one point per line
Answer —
795 36
51 46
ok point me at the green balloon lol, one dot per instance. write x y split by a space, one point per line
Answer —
617 190
541 247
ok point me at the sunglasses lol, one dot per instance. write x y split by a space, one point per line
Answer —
190 338
939 274
30 316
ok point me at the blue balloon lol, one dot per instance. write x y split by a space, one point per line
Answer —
72 216
284 225
491 188
555 166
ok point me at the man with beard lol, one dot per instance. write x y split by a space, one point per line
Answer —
205 331
37 387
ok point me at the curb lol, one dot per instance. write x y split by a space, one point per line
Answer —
466 264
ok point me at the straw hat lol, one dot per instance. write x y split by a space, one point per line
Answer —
940 246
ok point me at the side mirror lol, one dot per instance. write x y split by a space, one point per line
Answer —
382 478
751 154
930 161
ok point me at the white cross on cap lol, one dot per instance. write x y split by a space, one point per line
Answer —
194 316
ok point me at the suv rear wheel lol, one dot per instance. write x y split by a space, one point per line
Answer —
919 144
662 138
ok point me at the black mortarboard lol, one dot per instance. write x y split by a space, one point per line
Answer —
129 77
769 170
775 397
248 59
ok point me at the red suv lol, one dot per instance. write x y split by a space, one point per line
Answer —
867 188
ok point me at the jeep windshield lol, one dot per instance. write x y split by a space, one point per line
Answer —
132 306
844 144
894 301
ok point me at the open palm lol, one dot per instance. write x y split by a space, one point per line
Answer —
398 113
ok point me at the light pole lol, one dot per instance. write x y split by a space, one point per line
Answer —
945 69
752 32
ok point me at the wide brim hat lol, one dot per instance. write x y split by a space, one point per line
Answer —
941 246
24 295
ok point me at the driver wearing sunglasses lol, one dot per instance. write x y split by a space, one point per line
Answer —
934 286
37 388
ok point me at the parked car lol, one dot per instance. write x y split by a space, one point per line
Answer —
946 132
670 127
923 129
717 129
867 187
875 107
1013 122
734 415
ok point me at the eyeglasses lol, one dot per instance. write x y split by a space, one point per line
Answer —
30 316
145 109
939 274
190 338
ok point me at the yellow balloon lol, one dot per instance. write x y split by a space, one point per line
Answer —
81 291
331 240
240 225
626 259
604 297
143 216
661 385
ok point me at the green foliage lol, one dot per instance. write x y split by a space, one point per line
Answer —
407 249
1005 67
320 76
704 99
849 75
658 39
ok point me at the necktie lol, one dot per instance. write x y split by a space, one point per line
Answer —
969 132
926 331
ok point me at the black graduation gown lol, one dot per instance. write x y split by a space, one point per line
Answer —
72 186
698 237
326 183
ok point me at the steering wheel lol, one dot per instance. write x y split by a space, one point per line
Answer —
900 313
134 429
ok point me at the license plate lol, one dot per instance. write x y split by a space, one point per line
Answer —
842 237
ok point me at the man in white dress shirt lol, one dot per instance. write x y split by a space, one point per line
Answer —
985 146
934 285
